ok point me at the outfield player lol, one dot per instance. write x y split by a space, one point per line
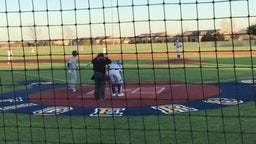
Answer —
72 71
178 46
104 50
10 55
115 70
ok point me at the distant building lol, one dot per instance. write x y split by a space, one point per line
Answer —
61 42
194 36
11 44
160 37
110 40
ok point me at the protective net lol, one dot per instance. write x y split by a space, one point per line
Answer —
115 71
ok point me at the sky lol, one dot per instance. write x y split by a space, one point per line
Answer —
68 19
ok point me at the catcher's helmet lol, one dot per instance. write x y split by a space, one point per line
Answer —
75 53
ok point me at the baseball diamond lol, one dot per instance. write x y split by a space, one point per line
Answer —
48 98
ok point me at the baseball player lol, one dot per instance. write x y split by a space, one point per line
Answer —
178 45
104 50
72 71
115 70
10 54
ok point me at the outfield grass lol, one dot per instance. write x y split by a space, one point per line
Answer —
231 125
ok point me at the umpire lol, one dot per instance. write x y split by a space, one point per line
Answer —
99 68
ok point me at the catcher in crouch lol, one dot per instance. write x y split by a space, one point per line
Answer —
114 73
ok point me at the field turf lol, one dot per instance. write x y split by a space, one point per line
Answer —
230 125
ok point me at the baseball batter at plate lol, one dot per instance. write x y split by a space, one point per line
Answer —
115 77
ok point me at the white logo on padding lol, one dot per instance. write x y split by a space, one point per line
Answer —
248 81
223 101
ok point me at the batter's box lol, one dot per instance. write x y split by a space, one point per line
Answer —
148 90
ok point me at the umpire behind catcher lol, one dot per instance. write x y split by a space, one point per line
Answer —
99 68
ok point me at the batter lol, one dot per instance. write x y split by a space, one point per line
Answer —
115 70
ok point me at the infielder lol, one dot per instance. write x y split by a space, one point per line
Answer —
72 71
178 45
115 70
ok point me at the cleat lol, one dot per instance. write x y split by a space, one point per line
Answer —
73 90
103 98
121 94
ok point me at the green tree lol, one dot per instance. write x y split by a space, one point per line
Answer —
251 30
215 37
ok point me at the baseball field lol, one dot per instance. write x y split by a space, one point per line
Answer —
227 65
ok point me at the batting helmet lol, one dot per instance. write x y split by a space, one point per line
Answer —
119 61
75 53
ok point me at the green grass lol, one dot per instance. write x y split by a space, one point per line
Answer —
231 125
209 126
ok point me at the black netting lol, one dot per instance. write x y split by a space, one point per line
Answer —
187 74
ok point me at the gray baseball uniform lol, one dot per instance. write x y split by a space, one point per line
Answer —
72 70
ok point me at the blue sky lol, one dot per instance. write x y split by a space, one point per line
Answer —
55 19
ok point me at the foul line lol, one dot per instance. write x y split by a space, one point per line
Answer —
40 76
